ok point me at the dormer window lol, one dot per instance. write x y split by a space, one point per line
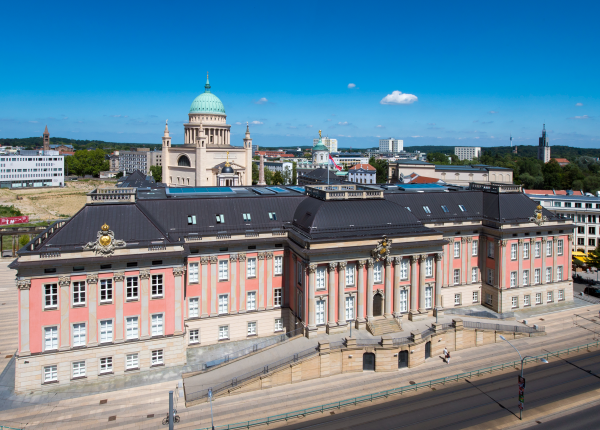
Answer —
247 217
273 216
462 208
220 219
407 207
426 209
445 208
191 219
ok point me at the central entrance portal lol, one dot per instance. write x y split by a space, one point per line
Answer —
377 305
368 361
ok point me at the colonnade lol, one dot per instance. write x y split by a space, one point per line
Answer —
220 136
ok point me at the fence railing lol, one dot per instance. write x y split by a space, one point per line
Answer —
478 314
401 340
301 413
502 327
368 342
216 389
8 428
251 349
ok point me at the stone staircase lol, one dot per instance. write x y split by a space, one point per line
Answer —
383 326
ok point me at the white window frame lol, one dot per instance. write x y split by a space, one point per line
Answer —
513 279
79 293
490 276
377 273
157 286
548 248
157 357
194 273
78 369
250 301
157 325
514 302
223 270
51 338
349 307
490 247
475 296
132 328
349 275
403 301
193 307
457 299
50 296
278 324
195 335
132 288
538 249
559 273
320 278
538 298
251 268
513 251
525 278
526 300
404 269
278 265
106 290
561 295
456 249
537 276
51 373
474 274
106 331
132 361
526 250
251 328
456 277
428 297
560 246
549 296
223 304
429 267
106 365
277 297
223 332
79 334
548 275
474 248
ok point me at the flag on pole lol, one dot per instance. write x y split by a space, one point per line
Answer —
333 162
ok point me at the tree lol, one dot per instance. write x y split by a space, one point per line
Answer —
277 179
156 172
382 170
294 173
552 175
87 163
437 158
24 240
119 175
268 177
254 173
593 258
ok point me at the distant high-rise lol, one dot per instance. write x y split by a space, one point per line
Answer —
544 147
46 138
514 148
391 146
330 144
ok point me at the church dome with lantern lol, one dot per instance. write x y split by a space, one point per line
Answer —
207 102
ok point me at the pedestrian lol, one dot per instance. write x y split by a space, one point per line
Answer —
445 352
448 357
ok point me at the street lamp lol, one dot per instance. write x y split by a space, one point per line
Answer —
543 360
212 424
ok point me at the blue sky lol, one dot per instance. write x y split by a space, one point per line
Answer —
464 73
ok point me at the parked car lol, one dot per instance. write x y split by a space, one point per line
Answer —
592 291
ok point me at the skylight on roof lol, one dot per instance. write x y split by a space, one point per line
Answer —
426 209
408 207
462 208
445 208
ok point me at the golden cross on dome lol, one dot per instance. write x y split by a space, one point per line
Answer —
319 134
227 162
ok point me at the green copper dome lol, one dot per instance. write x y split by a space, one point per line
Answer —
320 147
207 102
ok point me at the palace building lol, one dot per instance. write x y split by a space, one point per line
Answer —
136 278
207 157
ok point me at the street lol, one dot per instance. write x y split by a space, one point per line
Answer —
479 402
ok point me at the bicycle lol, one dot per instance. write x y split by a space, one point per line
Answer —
176 419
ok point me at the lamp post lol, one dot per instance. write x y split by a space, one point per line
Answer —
212 424
543 360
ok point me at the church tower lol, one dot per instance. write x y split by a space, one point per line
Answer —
544 147
166 144
46 138
248 153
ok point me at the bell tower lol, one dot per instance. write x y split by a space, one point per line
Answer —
46 138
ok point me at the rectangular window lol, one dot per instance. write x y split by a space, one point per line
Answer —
592 230
79 369
193 273
548 274
426 209
131 327
490 277
525 277
157 357
106 365
549 296
490 246
456 249
475 250
320 278
157 286
106 331
489 299
193 308
277 297
195 336
429 267
577 205
537 276
403 300
456 276
278 324
445 208
548 248
79 293
79 338
273 216
223 303
50 373
592 242
475 296
132 361
350 274
51 338
50 295
106 291
513 251
457 300
299 272
223 270
247 217
560 247
157 325
526 300
515 302
191 219
538 298
404 269
220 218
428 296
538 249
377 272
252 328
559 273
474 274
132 290
250 302
513 279
526 250
320 312
278 265
561 295
349 308
581 241
581 230
251 268
223 332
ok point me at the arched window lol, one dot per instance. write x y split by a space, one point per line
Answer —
184 161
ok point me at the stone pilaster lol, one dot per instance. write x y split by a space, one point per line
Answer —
119 278
242 293
468 257
64 282
311 296
233 258
91 283
24 285
543 255
370 264
331 319
414 284
570 253
397 263
178 273
214 263
439 257
260 262
269 263
341 293
388 288
422 259
360 265
204 280
520 258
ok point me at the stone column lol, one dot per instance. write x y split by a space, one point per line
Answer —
555 258
204 266
387 310
422 259
311 296
144 296
269 263
414 284
543 255
370 289
24 285
331 319
503 274
64 282
234 280
468 258
261 280
570 254
118 278
520 258
464 259
397 263
242 293
341 293
178 273
451 263
214 262
261 171
91 283
438 279
361 292
497 264
531 261
294 286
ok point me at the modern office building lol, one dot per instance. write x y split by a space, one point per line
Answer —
390 146
32 168
330 144
467 152
457 175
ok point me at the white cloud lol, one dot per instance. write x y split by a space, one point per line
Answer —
578 104
33 122
351 85
238 123
581 117
327 120
398 98
493 111
379 126
292 127
262 101
256 123
343 123
416 136
309 126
